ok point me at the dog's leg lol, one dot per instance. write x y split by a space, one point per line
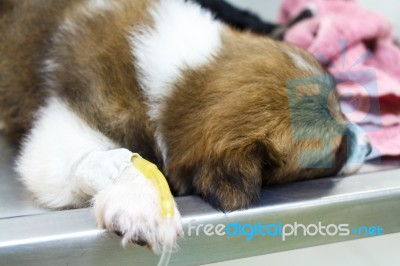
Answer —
65 163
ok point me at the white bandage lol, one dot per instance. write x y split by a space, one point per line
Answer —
98 169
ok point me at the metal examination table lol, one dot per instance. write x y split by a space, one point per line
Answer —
30 235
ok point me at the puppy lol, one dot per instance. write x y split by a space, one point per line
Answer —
85 83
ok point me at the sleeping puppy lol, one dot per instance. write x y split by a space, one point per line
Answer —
86 83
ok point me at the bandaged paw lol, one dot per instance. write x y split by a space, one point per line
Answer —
131 208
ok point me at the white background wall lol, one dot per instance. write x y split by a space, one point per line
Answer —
390 8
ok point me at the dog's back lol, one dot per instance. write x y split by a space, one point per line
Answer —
26 28
83 46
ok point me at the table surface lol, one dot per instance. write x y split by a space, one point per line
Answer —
30 235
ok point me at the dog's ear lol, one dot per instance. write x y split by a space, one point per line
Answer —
232 180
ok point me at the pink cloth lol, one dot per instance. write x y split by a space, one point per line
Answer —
359 46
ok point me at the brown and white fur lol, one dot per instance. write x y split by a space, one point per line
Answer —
85 83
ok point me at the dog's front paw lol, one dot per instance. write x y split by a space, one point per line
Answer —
132 210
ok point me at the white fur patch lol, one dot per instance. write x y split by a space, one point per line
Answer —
58 140
302 63
183 36
161 145
68 26
49 66
101 5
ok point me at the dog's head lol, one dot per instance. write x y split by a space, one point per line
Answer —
262 113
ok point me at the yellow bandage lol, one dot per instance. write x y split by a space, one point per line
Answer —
151 171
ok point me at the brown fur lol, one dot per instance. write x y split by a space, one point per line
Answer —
22 49
227 125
